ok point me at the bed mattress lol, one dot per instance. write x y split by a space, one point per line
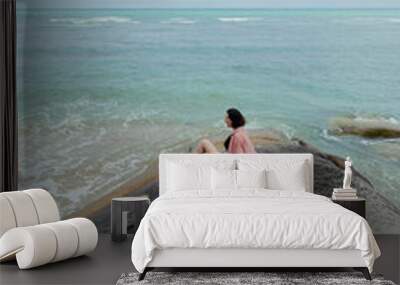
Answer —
250 219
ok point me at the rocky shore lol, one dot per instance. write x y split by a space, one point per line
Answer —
382 214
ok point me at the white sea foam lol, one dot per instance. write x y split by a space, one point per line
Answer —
394 20
287 130
367 20
391 121
256 124
239 19
184 21
134 117
380 141
95 20
325 134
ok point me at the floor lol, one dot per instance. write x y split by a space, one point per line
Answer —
110 260
103 266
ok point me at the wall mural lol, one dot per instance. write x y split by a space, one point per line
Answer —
103 91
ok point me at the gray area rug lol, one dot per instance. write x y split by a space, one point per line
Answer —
228 278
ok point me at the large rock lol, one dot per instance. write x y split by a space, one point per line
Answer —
382 214
365 127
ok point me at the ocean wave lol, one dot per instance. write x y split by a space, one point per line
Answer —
134 117
394 20
287 130
327 136
380 141
367 20
239 19
184 21
89 156
377 120
95 20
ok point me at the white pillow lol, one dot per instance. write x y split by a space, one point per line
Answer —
223 179
288 175
251 178
188 177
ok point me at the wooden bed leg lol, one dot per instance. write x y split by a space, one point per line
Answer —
143 274
364 271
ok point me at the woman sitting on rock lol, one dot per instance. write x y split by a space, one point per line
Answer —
237 142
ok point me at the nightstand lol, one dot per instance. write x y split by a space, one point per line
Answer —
355 205
126 210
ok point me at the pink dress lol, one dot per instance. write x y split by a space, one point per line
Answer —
240 142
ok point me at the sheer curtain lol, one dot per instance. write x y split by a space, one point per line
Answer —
8 100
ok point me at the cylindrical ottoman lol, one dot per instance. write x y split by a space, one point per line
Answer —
124 208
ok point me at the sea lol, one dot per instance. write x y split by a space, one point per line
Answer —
101 92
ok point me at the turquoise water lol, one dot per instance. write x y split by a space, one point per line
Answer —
102 92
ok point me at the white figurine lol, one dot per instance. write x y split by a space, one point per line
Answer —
347 174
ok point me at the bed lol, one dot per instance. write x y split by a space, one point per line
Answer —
247 210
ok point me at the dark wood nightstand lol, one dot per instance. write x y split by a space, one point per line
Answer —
355 205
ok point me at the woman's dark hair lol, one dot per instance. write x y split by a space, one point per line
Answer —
236 117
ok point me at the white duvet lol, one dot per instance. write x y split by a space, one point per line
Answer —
250 219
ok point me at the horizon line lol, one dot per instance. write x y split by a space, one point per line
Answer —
215 8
